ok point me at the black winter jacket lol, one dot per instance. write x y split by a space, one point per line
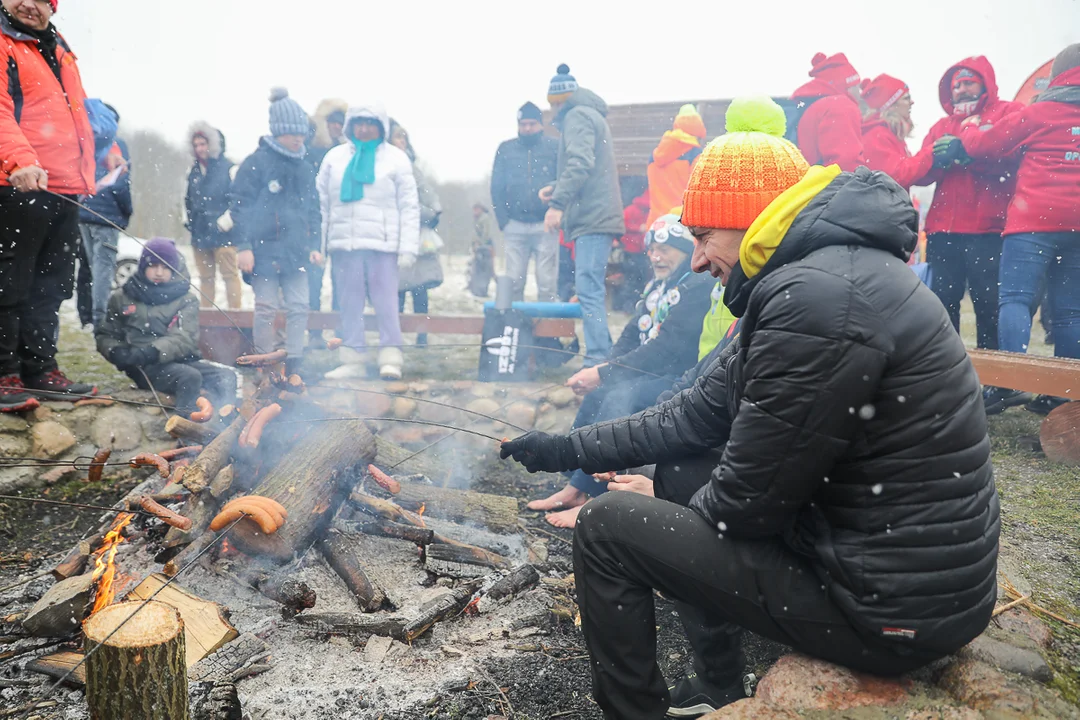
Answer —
674 349
856 423
522 168
207 199
275 207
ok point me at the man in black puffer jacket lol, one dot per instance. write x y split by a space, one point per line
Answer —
852 514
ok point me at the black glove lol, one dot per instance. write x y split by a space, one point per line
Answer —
949 151
121 357
540 452
145 355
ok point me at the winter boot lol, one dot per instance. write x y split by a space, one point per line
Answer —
55 384
13 395
692 696
390 362
1045 404
354 366
998 400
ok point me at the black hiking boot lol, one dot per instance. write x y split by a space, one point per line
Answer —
13 395
54 384
692 697
998 400
1045 404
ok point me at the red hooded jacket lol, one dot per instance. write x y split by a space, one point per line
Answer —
884 151
43 122
970 198
635 216
830 131
1047 133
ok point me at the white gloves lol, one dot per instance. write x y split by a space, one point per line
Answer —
406 260
225 222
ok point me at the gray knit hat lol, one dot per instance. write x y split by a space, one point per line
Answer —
286 115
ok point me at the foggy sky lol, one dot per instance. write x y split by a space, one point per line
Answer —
454 74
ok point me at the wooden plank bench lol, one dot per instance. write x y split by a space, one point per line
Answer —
1059 377
219 341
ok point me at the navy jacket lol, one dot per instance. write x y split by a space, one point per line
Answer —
275 208
113 202
207 199
521 170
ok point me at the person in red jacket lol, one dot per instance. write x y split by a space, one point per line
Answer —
829 122
967 215
1042 228
46 144
886 126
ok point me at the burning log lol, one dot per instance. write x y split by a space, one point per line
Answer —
223 662
340 551
306 482
495 512
199 509
520 580
355 624
383 509
381 527
440 608
448 559
222 481
279 585
184 429
140 672
214 457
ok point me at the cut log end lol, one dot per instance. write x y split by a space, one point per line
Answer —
154 624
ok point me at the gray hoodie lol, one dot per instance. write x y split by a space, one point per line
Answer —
587 189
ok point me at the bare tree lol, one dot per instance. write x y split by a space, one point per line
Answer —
158 181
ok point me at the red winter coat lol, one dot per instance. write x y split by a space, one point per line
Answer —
884 151
970 198
635 216
830 130
1047 133
38 124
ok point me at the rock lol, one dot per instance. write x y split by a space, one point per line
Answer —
522 413
41 413
10 423
560 397
461 385
751 709
548 422
404 407
486 406
51 439
373 405
483 390
440 414
1009 658
984 688
153 411
59 612
397 387
949 713
802 683
405 434
1020 620
14 446
118 428
418 387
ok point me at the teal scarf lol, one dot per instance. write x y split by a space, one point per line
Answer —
361 170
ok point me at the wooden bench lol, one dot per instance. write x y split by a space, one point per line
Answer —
219 340
1059 377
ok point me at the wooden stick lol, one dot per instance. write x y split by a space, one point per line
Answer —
467 555
339 550
355 623
1010 605
381 527
440 608
384 509
184 429
214 457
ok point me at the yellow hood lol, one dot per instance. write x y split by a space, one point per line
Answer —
768 230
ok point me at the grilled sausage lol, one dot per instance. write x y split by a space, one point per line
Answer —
254 430
272 358
97 465
151 460
386 482
205 411
164 514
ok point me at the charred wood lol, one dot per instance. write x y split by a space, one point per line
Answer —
442 607
341 553
355 624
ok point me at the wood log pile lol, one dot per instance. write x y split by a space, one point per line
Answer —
256 492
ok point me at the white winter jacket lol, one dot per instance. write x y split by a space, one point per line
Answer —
387 219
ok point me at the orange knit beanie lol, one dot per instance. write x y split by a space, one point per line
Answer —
740 173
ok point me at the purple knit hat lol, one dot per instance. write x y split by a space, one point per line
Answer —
159 251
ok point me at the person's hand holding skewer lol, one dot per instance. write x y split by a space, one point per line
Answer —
541 452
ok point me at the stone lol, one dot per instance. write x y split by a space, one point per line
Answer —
949 713
560 397
751 709
486 406
372 405
440 414
418 388
10 423
1020 620
404 434
1009 658
41 412
153 411
81 420
461 385
802 683
483 390
522 414
404 407
550 421
118 428
51 439
397 387
14 446
984 688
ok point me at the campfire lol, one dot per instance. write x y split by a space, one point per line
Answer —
284 500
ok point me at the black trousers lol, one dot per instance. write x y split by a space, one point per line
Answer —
84 281
626 545
186 380
971 262
39 235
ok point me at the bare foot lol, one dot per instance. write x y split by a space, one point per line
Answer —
564 519
568 497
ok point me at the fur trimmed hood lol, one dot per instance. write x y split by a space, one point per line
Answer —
327 106
213 137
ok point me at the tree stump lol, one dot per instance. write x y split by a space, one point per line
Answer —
1060 434
141 672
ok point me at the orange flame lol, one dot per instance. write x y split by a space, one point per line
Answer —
420 514
105 562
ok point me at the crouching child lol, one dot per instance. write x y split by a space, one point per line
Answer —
151 332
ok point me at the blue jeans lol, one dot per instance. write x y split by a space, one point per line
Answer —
1027 261
590 269
100 242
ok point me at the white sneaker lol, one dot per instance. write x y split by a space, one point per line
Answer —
390 362
354 365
